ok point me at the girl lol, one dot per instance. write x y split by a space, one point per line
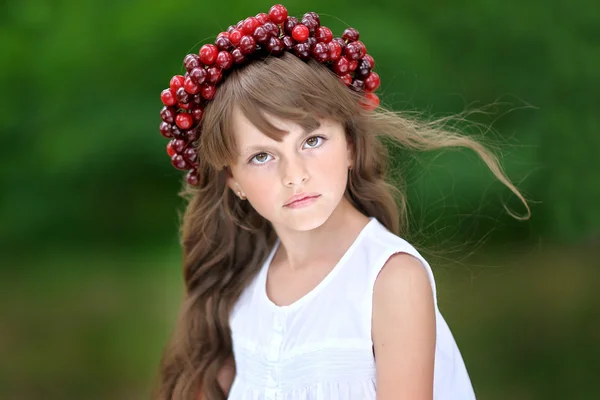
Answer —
298 282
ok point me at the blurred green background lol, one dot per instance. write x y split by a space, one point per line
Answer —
90 278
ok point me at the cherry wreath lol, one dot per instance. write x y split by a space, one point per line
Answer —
265 34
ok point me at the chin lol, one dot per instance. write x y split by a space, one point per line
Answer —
303 220
306 224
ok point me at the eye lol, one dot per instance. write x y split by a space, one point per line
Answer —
313 141
261 158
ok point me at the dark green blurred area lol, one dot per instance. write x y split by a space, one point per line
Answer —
90 279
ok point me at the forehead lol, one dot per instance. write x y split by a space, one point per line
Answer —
269 127
241 122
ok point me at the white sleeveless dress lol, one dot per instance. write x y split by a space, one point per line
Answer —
320 348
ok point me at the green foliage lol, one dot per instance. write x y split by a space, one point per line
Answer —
79 114
526 323
88 192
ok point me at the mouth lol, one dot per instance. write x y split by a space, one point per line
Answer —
301 201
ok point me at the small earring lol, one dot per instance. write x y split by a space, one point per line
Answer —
240 195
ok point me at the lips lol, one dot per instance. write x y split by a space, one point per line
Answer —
300 197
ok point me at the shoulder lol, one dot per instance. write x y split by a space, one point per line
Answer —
403 329
402 275
395 266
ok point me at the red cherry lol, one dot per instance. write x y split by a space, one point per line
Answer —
272 28
364 68
262 18
323 34
340 41
197 113
178 145
176 82
357 85
184 106
320 52
362 48
372 82
222 41
214 75
198 99
347 79
351 35
302 50
190 86
370 102
191 61
300 33
235 36
182 95
370 60
353 65
192 177
208 54
275 45
168 98
289 24
247 44
198 75
278 13
191 135
224 60
261 35
184 121
311 21
170 150
176 132
288 42
165 129
178 161
341 66
167 114
312 15
208 91
335 51
238 56
250 24
353 51
190 154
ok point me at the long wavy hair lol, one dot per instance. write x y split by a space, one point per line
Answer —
225 241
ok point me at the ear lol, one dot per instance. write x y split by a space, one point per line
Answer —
232 183
230 179
350 151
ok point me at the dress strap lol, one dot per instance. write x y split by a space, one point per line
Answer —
388 244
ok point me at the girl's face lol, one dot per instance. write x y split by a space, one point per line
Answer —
268 172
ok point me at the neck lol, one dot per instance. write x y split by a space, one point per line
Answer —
325 244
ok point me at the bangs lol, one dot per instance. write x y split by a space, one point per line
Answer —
257 115
283 87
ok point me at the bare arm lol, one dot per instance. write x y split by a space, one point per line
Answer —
404 330
224 377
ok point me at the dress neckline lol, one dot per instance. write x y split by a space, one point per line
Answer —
262 282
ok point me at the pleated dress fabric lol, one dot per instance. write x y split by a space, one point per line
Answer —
320 347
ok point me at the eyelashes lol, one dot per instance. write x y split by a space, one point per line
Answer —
320 142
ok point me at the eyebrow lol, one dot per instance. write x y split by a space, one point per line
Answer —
260 148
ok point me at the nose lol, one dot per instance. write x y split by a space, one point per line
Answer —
294 171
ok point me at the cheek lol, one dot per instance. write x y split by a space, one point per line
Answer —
259 182
262 191
332 165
